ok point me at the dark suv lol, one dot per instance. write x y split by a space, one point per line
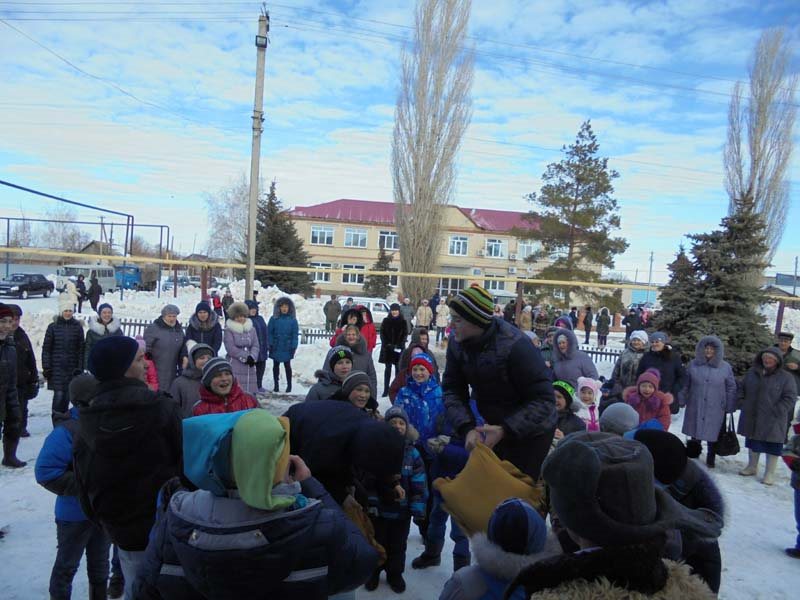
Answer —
23 285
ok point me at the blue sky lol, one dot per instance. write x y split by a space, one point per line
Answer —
653 77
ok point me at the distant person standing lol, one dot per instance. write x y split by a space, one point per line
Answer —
588 316
632 323
332 310
62 355
227 300
9 403
424 315
80 287
603 327
791 356
408 313
94 292
283 332
573 317
27 373
442 320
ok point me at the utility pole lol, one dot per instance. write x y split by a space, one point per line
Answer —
650 277
794 281
255 153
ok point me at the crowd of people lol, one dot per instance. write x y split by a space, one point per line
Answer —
162 456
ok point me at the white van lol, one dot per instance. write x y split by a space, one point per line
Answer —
104 274
377 306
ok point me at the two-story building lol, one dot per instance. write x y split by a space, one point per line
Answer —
475 242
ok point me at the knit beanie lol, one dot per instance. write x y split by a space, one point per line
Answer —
421 359
5 311
111 357
212 368
640 335
668 451
566 390
198 350
517 528
658 336
103 306
170 309
202 305
251 304
475 305
353 380
619 418
338 353
65 303
394 306
651 375
396 412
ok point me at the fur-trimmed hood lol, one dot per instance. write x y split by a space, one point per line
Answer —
572 345
699 351
97 327
237 327
276 310
496 561
206 325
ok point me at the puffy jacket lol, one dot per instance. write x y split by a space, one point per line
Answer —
603 323
655 407
211 403
129 443
208 332
442 315
668 363
509 382
574 363
261 331
241 343
185 390
423 404
165 343
54 468
283 332
62 352
413 481
27 373
327 385
98 331
767 401
393 339
424 316
368 331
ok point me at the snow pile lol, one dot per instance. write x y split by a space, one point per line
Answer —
791 318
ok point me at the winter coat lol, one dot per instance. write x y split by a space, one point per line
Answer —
368 331
211 404
334 438
226 303
241 343
208 332
632 322
525 321
588 317
185 390
792 356
327 385
80 288
489 577
655 407
10 415
424 316
407 312
603 324
442 315
332 310
569 421
424 406
768 399
27 373
94 292
626 371
572 364
151 376
129 443
508 379
283 333
393 339
98 331
362 361
62 352
709 394
54 468
413 480
164 344
261 331
611 574
668 363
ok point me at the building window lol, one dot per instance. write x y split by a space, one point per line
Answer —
357 278
393 278
448 285
458 245
321 276
355 238
388 240
496 248
493 284
321 235
526 248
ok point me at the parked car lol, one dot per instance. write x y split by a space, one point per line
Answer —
169 283
23 285
377 306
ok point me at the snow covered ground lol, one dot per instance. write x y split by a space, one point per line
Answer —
759 522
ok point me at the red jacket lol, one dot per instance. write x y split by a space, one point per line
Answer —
210 403
656 407
151 376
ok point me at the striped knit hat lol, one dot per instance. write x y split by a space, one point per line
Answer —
475 305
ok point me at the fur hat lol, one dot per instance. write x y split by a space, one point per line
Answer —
111 357
668 452
517 528
353 380
65 303
394 306
212 368
640 335
82 389
475 305
170 309
602 487
338 353
421 359
619 418
238 309
396 412
251 304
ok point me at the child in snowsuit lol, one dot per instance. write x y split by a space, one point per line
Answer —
514 538
648 401
589 395
404 496
566 407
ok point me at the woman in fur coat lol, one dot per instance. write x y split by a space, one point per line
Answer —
105 324
241 345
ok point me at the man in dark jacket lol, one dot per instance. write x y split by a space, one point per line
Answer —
632 323
332 310
791 356
27 374
508 379
9 403
128 445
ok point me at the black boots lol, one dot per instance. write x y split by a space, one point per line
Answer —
372 583
10 454
289 387
396 582
431 557
693 448
116 586
276 386
711 457
97 592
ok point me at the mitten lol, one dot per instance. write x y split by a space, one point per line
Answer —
251 362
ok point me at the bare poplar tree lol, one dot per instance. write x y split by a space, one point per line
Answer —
433 111
760 128
227 220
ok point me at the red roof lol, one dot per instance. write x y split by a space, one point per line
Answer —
369 211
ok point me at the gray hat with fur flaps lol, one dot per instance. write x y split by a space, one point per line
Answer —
602 488
238 309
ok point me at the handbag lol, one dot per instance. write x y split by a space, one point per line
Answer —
727 442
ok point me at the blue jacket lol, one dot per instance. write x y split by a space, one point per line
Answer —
260 326
54 469
423 404
283 333
415 484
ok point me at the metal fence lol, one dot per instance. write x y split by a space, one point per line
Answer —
599 355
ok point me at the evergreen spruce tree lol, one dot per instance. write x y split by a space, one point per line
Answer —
277 243
577 213
378 286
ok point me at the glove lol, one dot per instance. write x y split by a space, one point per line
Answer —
251 362
243 360
437 444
